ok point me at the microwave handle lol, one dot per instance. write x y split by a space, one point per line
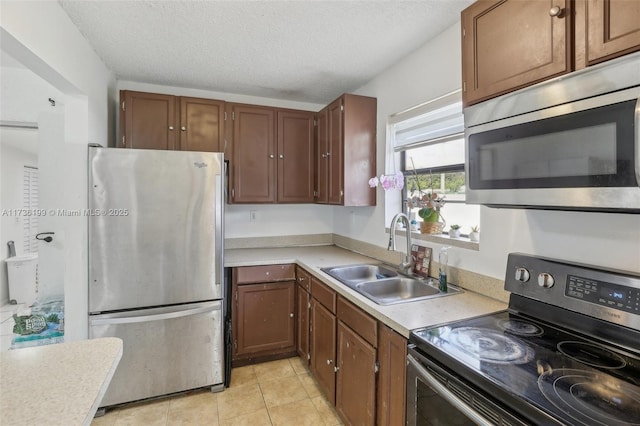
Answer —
445 394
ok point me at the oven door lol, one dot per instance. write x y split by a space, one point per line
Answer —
582 155
436 397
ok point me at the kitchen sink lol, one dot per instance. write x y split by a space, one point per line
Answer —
385 286
354 274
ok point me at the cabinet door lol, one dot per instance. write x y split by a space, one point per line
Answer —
147 120
356 379
295 156
322 163
334 154
613 29
323 349
201 125
302 337
265 318
509 44
254 155
392 377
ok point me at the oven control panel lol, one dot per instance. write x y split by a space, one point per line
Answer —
609 295
603 293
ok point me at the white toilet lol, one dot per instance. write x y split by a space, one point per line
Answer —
23 278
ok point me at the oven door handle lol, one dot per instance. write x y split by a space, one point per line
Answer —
446 394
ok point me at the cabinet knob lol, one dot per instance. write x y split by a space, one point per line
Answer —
324 155
555 11
335 369
280 156
328 154
271 156
329 361
184 129
291 315
170 127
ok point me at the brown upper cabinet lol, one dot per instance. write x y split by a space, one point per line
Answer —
346 151
510 44
272 155
156 121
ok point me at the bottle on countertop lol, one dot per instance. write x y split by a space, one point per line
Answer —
443 260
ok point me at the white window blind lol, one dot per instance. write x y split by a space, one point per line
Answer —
434 122
30 204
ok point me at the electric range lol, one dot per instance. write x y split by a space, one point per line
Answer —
567 351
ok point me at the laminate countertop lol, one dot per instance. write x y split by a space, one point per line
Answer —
402 317
60 384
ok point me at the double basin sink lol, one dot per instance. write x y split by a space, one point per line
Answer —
384 285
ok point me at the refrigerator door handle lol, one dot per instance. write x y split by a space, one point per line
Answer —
219 237
156 317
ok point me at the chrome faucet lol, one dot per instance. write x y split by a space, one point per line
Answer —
405 267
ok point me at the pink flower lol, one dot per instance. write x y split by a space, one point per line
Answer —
373 182
399 178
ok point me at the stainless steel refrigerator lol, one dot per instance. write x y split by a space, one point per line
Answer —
156 268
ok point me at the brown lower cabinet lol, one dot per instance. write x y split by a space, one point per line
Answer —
263 318
357 365
303 310
323 348
392 377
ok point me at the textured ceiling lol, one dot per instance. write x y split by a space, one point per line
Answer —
310 51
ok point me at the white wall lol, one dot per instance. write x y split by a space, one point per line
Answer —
609 240
271 220
41 36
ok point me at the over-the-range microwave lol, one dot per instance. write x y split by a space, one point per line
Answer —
570 143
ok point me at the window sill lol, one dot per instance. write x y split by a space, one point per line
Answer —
462 242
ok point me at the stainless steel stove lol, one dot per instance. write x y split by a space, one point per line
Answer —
567 351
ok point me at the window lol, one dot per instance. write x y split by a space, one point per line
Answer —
30 204
429 143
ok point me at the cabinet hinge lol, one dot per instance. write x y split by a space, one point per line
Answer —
123 142
233 115
376 367
309 357
464 32
235 344
236 295
308 305
233 193
341 107
315 123
225 116
123 105
315 194
464 86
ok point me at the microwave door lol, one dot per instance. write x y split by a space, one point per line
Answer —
582 156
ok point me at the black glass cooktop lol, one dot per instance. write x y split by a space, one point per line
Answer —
525 363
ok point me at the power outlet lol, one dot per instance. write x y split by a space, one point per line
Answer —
252 215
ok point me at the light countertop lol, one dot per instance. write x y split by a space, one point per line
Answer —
402 317
59 384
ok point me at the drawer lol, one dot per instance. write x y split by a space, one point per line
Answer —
358 321
264 274
323 294
304 278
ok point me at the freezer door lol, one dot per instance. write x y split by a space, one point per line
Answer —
155 228
165 350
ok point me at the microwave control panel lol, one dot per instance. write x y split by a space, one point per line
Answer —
611 295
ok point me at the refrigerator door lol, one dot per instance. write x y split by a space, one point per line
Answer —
155 228
165 350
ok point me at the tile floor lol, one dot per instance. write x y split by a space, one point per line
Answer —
274 393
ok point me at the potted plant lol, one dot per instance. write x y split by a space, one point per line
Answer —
430 214
474 235
454 231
